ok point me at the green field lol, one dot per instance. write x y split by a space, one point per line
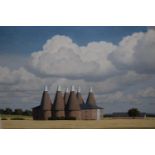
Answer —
9 117
78 124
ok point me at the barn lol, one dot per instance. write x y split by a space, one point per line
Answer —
69 106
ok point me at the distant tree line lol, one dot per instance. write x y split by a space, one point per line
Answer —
133 112
9 111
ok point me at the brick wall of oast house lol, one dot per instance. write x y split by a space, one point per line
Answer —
93 114
58 113
83 114
37 114
47 114
73 114
58 106
89 114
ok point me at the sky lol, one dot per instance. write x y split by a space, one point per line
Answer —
117 62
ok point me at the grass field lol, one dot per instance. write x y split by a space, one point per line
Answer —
79 124
9 117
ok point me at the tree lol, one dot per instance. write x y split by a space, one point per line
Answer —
134 112
18 112
2 111
8 111
27 113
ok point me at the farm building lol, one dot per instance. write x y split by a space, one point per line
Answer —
68 106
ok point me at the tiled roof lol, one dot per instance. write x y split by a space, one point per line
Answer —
46 103
72 102
79 97
59 101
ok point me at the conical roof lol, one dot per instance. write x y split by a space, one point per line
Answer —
72 101
91 101
66 96
59 100
46 103
79 96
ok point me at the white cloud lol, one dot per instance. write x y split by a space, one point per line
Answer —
136 52
118 97
61 57
144 56
147 92
19 79
5 75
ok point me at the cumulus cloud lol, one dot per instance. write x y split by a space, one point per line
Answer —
19 79
61 57
136 52
144 55
122 57
5 75
121 82
147 92
118 97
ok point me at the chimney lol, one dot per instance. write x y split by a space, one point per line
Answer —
72 88
45 88
59 88
91 90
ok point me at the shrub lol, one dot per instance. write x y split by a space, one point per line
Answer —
57 118
3 118
8 111
17 118
18 112
2 111
71 118
27 113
